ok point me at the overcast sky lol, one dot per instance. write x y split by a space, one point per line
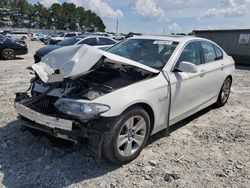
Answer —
158 16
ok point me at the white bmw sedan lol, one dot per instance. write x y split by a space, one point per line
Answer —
118 98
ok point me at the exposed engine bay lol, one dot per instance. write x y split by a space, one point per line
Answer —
105 79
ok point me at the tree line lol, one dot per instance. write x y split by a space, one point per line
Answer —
21 13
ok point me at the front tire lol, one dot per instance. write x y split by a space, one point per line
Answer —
8 54
224 92
128 136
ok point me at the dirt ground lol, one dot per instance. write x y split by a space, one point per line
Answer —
210 149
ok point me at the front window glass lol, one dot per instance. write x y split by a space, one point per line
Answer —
70 41
191 54
209 52
153 53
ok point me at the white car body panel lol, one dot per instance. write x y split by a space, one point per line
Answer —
191 92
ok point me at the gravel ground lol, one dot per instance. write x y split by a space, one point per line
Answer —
210 149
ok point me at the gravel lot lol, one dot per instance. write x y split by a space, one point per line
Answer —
210 149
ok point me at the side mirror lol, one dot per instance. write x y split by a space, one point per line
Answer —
185 66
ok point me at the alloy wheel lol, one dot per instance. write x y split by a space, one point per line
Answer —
9 55
131 136
225 90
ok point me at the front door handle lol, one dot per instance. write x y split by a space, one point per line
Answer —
202 73
222 66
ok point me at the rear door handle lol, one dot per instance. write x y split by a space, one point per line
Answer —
202 73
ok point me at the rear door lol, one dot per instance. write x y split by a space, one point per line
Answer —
212 69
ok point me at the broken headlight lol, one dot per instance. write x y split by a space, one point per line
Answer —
80 110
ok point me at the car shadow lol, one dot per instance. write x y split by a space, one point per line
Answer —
179 125
17 58
242 67
27 161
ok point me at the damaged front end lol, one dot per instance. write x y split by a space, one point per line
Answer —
60 101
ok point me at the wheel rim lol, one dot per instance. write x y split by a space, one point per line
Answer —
131 136
9 55
225 90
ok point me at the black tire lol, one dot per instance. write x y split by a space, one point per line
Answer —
24 38
110 146
8 54
224 92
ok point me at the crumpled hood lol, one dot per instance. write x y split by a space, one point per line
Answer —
77 60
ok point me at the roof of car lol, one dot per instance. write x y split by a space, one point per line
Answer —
177 38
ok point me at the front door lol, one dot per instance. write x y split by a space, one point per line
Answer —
187 88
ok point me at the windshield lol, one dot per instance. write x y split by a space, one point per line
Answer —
153 53
70 41
2 38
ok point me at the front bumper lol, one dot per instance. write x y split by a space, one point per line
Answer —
61 128
42 119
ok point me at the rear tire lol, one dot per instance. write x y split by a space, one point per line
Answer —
8 54
224 93
127 137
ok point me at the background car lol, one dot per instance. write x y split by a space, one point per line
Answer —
37 36
98 41
19 35
62 37
49 38
119 37
9 48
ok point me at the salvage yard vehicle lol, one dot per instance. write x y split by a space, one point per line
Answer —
117 98
97 41
62 37
37 36
9 48
19 35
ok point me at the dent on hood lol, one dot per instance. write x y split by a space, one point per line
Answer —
75 61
